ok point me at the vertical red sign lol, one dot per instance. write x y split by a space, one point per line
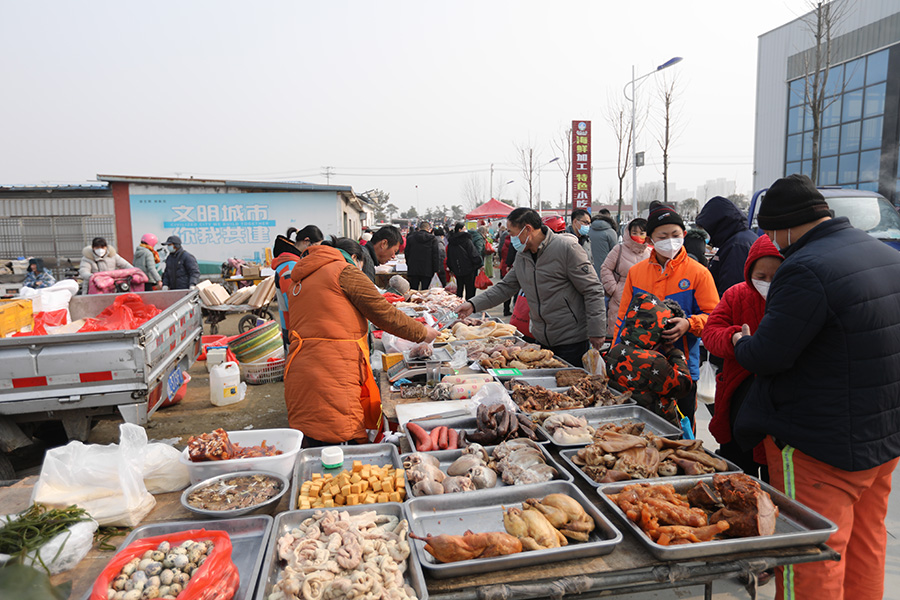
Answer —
581 164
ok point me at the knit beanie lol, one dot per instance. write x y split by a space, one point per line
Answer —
791 201
662 214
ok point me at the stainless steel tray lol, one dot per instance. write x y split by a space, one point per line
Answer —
796 526
539 372
249 536
288 520
567 455
310 461
620 413
467 423
440 354
483 513
446 458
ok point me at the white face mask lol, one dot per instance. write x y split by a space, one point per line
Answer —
761 286
668 247
100 252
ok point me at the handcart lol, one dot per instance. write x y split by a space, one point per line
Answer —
213 315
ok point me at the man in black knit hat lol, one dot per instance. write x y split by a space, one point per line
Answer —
826 397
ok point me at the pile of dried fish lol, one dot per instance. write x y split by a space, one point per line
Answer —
623 452
496 424
335 555
548 523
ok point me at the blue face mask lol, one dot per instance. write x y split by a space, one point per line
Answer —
516 242
584 229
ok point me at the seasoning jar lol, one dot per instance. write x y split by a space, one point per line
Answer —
332 458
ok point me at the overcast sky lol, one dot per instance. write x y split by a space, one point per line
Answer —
391 95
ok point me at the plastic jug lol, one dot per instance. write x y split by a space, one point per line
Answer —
225 385
215 355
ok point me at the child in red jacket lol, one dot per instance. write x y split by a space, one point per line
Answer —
742 303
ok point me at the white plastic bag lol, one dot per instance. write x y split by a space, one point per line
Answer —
163 471
593 363
491 394
61 553
435 282
392 343
706 385
106 481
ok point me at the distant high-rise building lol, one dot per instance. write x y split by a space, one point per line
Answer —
715 187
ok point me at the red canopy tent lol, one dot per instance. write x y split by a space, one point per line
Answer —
492 209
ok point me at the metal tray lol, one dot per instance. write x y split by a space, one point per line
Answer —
467 423
288 520
249 536
539 372
446 458
796 525
518 341
567 455
310 461
620 413
440 355
482 513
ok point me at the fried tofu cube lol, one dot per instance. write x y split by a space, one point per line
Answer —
340 500
387 486
314 492
365 473
345 490
329 504
326 496
356 478
369 500
363 485
375 484
357 466
382 497
352 500
304 504
402 492
354 488
394 497
400 482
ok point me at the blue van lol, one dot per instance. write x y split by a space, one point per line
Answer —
868 211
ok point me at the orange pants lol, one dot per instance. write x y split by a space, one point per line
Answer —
857 502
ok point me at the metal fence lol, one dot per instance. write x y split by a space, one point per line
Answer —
57 240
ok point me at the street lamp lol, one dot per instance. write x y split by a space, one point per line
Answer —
665 65
551 161
500 191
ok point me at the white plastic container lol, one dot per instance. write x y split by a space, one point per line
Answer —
286 440
215 355
225 385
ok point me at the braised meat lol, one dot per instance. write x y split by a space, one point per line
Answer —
217 446
748 508
704 496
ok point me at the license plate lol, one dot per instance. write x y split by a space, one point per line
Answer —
174 382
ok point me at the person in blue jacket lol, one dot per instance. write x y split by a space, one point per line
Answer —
728 231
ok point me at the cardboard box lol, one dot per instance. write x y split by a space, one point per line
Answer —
250 270
389 360
15 315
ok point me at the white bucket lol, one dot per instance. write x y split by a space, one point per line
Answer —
225 385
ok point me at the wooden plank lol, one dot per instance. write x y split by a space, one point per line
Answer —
15 315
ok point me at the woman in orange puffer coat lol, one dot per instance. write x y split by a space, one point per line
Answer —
329 389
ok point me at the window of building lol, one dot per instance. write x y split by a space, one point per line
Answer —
852 124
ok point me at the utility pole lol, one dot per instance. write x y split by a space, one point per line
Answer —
492 181
329 171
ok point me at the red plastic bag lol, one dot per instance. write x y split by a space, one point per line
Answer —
483 282
217 578
44 319
126 312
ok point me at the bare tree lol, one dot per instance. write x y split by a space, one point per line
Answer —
563 144
669 130
473 192
821 23
618 116
528 160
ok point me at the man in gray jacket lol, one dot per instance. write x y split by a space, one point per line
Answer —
562 289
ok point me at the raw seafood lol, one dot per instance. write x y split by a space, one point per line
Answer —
233 493
451 548
335 555
217 446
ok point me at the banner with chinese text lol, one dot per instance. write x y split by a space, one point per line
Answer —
581 164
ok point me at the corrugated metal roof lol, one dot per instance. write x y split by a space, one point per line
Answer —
79 187
257 185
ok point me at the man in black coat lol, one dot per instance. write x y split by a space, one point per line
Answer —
827 392
728 231
181 272
423 257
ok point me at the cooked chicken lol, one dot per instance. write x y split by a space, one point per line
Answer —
577 525
532 528
452 548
